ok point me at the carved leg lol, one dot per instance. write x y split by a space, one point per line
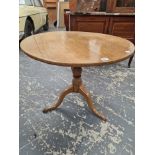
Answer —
61 97
84 93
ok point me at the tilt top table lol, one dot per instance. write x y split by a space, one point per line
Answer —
77 50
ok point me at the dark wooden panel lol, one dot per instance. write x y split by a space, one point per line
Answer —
89 23
122 27
91 26
91 18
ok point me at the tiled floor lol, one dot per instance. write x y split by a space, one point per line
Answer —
73 129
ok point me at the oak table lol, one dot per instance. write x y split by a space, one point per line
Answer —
77 50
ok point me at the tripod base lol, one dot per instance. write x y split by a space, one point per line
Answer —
76 87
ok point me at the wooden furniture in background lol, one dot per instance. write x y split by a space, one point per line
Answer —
88 23
88 5
51 8
122 25
76 50
85 5
121 6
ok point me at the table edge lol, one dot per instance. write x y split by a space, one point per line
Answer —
78 65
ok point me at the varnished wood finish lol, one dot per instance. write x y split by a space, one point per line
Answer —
87 96
60 99
122 27
80 23
76 87
118 25
77 49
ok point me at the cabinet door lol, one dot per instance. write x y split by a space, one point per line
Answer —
97 24
122 27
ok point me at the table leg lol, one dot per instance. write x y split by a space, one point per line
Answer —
76 87
130 60
87 96
60 99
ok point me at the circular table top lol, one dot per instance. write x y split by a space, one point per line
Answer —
77 49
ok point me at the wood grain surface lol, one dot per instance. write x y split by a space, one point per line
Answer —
77 49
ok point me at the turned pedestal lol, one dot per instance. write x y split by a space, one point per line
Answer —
76 87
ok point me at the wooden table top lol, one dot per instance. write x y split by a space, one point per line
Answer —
77 49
